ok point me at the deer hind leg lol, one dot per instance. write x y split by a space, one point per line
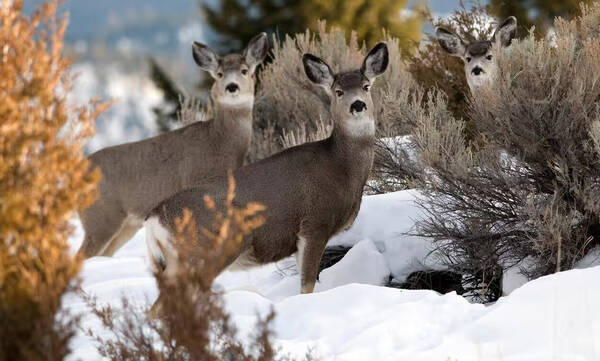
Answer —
101 224
308 257
128 229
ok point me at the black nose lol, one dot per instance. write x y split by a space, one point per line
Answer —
477 70
232 87
358 106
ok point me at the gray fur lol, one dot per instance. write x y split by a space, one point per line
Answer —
311 191
137 176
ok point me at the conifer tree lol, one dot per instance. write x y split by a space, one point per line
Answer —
538 13
238 21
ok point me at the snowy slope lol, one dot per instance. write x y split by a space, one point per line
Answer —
351 318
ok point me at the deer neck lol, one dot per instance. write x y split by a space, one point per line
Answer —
230 120
353 143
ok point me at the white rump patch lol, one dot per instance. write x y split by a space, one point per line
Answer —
157 240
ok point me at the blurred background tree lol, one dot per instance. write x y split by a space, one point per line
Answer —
236 22
538 13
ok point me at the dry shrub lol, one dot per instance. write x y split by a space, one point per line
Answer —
531 189
192 323
288 103
44 177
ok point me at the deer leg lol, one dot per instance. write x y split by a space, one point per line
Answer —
128 229
308 256
100 225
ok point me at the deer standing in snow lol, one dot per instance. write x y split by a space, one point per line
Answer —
137 176
311 191
477 56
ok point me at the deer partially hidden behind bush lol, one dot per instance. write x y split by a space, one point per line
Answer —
137 176
477 56
311 191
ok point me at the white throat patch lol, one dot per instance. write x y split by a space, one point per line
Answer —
241 100
360 125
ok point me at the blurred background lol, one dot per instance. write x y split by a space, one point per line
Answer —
137 52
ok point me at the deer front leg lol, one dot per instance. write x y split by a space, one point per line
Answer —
308 257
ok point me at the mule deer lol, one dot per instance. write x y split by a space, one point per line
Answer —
311 191
480 65
137 176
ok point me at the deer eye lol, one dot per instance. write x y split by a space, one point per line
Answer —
366 87
339 93
244 71
468 59
219 75
489 57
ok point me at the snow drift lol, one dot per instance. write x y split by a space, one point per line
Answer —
351 317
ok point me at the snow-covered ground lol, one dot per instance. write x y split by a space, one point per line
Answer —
352 317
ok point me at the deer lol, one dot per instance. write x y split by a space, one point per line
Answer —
477 56
137 176
310 192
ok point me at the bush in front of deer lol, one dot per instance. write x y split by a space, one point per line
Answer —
189 322
44 177
530 188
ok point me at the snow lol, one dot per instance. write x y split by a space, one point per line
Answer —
514 277
130 116
591 259
362 264
351 317
388 220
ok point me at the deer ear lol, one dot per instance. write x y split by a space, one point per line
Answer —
450 42
506 31
375 62
317 71
256 51
206 59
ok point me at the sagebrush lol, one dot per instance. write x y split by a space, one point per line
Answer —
529 189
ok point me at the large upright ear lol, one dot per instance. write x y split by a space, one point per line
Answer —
256 51
375 62
506 31
205 57
450 42
317 71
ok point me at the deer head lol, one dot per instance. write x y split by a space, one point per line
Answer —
478 57
233 73
351 103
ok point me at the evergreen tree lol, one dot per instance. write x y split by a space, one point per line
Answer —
538 13
369 17
237 21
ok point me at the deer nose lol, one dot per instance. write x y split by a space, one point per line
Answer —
477 70
358 106
232 87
